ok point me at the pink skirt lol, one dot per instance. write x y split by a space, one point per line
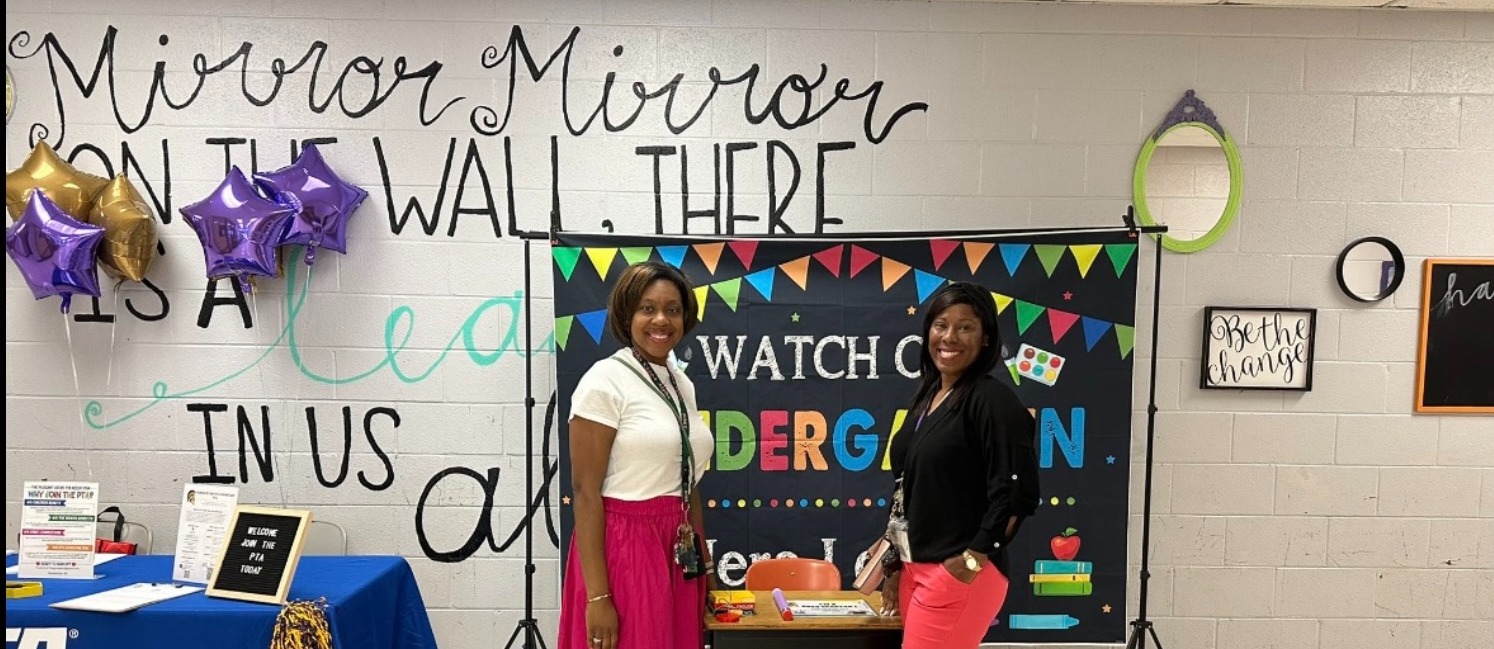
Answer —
657 608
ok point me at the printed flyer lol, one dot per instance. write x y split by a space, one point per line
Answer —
206 511
58 530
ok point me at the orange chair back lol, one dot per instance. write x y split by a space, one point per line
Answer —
793 574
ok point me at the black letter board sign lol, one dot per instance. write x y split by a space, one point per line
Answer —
259 557
1455 365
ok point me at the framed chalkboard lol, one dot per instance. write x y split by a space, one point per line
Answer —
1455 360
260 554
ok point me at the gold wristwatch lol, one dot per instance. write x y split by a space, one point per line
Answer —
971 563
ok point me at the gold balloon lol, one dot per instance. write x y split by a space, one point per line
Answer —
129 244
70 189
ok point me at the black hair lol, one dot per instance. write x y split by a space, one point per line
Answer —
986 360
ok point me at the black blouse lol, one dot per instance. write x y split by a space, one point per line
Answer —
967 469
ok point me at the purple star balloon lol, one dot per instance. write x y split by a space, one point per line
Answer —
240 230
57 254
323 202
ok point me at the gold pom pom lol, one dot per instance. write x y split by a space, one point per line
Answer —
302 625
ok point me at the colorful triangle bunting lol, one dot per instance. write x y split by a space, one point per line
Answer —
729 290
1084 255
592 322
700 300
975 254
602 259
673 255
927 284
1120 256
860 259
763 281
892 271
1093 331
1050 255
942 250
563 330
635 255
1002 301
1027 313
1012 254
1126 335
744 250
1060 322
830 259
566 259
797 270
710 253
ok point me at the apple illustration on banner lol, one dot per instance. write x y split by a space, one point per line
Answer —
1065 546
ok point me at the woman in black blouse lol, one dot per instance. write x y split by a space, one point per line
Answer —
967 476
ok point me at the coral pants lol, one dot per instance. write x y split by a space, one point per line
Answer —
942 612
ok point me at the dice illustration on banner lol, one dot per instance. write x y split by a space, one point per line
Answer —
1039 365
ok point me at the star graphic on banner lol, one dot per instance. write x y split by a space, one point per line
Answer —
1068 295
565 500
1110 459
794 317
1105 608
912 310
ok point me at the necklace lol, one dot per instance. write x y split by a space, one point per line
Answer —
938 400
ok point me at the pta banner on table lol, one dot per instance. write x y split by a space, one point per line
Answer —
806 360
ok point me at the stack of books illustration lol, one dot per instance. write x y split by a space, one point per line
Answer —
1061 578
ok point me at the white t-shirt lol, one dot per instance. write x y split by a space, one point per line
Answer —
645 459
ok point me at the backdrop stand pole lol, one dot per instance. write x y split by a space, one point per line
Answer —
1141 627
528 626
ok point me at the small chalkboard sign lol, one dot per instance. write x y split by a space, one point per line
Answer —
1455 361
259 555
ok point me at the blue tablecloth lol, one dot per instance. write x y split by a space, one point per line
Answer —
372 603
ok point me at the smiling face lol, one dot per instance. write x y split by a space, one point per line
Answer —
955 340
659 322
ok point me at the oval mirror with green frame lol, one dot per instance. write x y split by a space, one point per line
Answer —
1188 177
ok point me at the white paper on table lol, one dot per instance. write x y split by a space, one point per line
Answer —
831 608
127 598
202 529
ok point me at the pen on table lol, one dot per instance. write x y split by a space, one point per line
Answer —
782 604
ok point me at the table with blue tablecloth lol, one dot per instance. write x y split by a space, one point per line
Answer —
373 602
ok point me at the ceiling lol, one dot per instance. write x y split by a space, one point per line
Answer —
1444 5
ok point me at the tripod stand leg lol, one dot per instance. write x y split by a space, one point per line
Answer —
532 637
1139 631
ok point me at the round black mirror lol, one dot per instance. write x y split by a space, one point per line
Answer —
1370 269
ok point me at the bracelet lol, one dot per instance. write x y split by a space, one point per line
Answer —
598 598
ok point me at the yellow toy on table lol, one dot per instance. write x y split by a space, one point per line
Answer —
22 589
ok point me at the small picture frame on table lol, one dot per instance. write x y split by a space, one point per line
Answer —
1257 348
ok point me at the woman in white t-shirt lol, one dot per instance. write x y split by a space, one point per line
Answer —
638 447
